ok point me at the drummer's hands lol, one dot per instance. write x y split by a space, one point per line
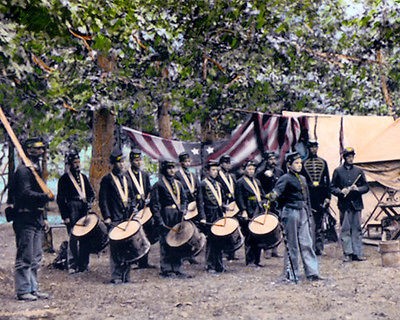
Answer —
67 221
46 226
244 214
107 221
271 196
203 221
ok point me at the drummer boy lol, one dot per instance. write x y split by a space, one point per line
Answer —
116 201
210 204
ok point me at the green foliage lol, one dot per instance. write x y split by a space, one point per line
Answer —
206 58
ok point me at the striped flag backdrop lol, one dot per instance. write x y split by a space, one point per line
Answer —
259 133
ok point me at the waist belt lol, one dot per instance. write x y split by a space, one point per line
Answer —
252 198
25 210
170 207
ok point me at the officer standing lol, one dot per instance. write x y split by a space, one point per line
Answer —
315 170
292 191
29 222
140 181
75 196
348 185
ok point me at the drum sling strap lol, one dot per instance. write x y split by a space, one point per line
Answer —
138 183
190 183
254 187
228 182
215 191
176 198
80 189
122 190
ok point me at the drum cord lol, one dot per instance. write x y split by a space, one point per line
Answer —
288 253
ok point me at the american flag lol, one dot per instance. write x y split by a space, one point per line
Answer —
259 133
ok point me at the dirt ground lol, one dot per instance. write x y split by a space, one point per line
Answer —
357 290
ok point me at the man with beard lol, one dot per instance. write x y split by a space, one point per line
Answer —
116 203
29 222
292 191
250 197
227 181
140 181
168 204
211 206
74 198
315 170
268 174
348 185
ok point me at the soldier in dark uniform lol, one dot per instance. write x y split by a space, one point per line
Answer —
188 180
268 174
190 185
348 185
292 191
116 203
250 199
228 182
75 196
211 207
29 223
315 170
140 181
168 204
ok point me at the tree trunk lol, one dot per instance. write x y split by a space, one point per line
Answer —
164 120
103 142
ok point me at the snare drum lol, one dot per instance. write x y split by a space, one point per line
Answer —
145 217
232 209
128 242
191 211
227 235
264 229
92 230
185 240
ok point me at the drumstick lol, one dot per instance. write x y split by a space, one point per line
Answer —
266 212
134 212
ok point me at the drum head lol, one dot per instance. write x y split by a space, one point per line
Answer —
263 224
84 225
224 226
180 234
144 215
191 211
124 230
232 209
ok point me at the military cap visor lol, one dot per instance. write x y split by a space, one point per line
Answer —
34 143
212 163
348 151
291 157
183 156
225 159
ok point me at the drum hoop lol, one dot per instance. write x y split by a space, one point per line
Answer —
79 230
144 215
173 234
255 226
133 228
229 222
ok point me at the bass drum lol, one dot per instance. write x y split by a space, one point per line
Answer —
185 240
265 230
128 242
92 230
145 217
226 234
